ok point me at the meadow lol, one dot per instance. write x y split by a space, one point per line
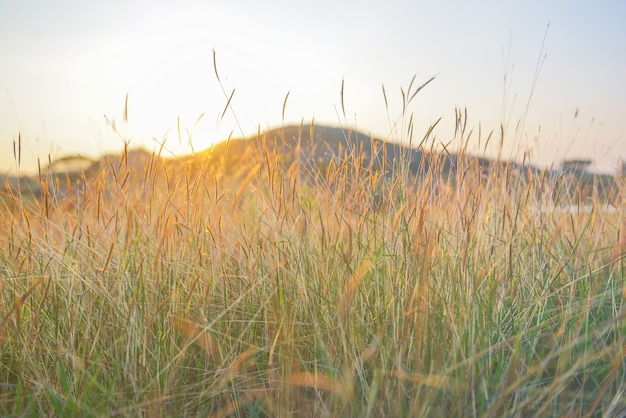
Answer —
271 289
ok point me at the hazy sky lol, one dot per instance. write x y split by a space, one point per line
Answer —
64 65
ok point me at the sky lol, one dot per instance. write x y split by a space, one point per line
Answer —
550 72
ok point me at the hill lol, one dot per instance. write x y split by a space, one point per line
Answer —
313 147
316 146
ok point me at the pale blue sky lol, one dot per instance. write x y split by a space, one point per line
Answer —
65 64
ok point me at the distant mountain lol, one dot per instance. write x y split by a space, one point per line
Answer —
315 147
68 171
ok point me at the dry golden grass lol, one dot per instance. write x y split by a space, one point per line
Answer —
183 290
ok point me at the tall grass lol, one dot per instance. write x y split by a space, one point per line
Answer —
178 289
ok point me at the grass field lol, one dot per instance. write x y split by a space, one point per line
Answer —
167 291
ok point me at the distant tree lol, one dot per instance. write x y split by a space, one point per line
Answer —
576 166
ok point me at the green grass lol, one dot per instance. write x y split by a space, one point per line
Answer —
284 291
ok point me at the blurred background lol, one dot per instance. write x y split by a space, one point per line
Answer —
551 73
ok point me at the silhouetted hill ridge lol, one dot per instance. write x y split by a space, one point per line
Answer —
315 147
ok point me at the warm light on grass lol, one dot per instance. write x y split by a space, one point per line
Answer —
274 287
